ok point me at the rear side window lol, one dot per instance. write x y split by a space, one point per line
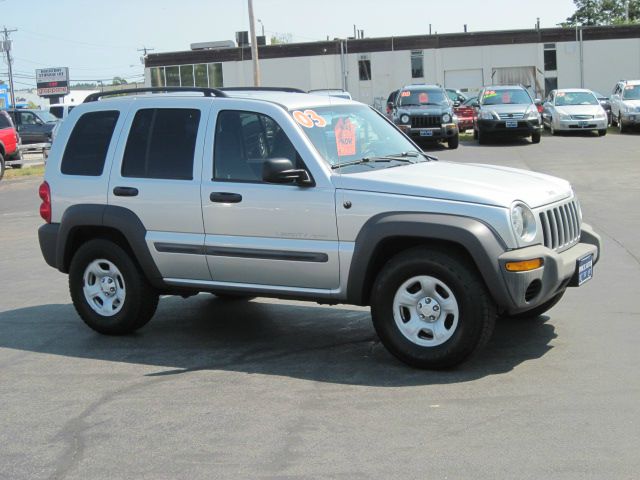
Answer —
161 144
88 144
56 111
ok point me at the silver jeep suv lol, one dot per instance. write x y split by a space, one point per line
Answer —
291 195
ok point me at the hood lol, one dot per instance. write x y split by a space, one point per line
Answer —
508 108
580 109
463 182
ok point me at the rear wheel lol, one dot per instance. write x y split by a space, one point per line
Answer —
430 309
108 290
2 166
453 141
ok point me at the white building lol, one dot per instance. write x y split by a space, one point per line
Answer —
591 57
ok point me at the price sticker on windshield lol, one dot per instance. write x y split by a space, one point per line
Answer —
490 93
309 119
345 132
423 97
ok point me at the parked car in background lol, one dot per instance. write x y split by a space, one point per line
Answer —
424 112
466 113
507 111
625 104
331 92
34 126
60 110
606 104
456 96
9 143
571 109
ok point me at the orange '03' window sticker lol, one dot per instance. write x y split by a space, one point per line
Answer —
406 93
309 118
345 137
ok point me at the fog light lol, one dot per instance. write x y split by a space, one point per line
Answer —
524 265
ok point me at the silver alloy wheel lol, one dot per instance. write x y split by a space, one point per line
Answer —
426 311
103 287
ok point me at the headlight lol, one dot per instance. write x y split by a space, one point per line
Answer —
564 116
523 222
404 118
601 115
485 115
532 115
446 118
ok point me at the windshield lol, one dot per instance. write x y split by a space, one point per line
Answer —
346 133
505 97
46 116
575 98
631 92
417 97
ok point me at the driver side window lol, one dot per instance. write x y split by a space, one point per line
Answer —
243 141
28 118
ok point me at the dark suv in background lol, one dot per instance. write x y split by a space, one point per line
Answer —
34 126
425 112
507 111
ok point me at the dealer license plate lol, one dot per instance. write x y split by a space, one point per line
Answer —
512 123
426 133
583 124
585 269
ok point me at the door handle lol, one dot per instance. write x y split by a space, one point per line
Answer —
225 197
125 191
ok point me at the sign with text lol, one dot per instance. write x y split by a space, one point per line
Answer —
52 81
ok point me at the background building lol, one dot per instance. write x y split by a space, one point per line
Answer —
370 68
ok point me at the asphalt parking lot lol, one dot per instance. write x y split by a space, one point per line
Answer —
275 389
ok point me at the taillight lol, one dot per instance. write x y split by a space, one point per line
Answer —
45 207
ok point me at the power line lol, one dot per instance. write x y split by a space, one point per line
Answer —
76 42
6 46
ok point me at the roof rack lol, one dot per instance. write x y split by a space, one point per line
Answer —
207 92
262 89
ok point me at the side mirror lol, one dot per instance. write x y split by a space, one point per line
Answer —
475 104
456 103
537 101
281 170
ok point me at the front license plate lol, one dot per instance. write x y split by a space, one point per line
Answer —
583 124
585 269
632 117
512 123
426 133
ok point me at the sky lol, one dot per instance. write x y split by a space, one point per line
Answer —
100 40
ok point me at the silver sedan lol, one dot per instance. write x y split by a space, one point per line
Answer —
574 109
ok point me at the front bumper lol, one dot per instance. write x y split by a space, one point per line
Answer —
523 127
591 124
443 132
559 271
631 118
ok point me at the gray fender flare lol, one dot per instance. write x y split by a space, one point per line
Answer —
482 243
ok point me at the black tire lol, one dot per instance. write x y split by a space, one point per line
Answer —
475 134
2 166
535 137
602 132
454 141
621 126
140 301
539 310
477 311
482 137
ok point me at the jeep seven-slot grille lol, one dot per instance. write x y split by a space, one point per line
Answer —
425 121
561 226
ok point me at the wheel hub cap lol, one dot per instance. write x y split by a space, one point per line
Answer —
104 287
108 285
429 309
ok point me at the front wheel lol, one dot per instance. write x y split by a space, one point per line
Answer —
2 166
453 141
108 290
430 309
482 137
535 137
602 132
621 126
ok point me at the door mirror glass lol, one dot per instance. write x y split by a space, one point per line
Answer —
456 103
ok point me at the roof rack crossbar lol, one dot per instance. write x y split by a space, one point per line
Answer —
207 92
262 89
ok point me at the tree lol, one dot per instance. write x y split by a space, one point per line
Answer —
604 12
119 81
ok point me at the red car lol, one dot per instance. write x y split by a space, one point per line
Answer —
466 114
9 142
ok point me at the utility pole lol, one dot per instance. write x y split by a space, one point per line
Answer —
254 47
6 46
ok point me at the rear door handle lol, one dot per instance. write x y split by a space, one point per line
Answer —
125 191
225 197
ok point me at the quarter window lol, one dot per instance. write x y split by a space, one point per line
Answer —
161 144
243 141
88 144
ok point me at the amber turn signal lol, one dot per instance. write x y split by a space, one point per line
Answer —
524 266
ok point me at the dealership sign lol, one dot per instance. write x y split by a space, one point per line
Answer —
52 81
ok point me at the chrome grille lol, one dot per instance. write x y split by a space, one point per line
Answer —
425 121
561 226
509 116
581 117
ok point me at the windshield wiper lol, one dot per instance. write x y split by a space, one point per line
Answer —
363 160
